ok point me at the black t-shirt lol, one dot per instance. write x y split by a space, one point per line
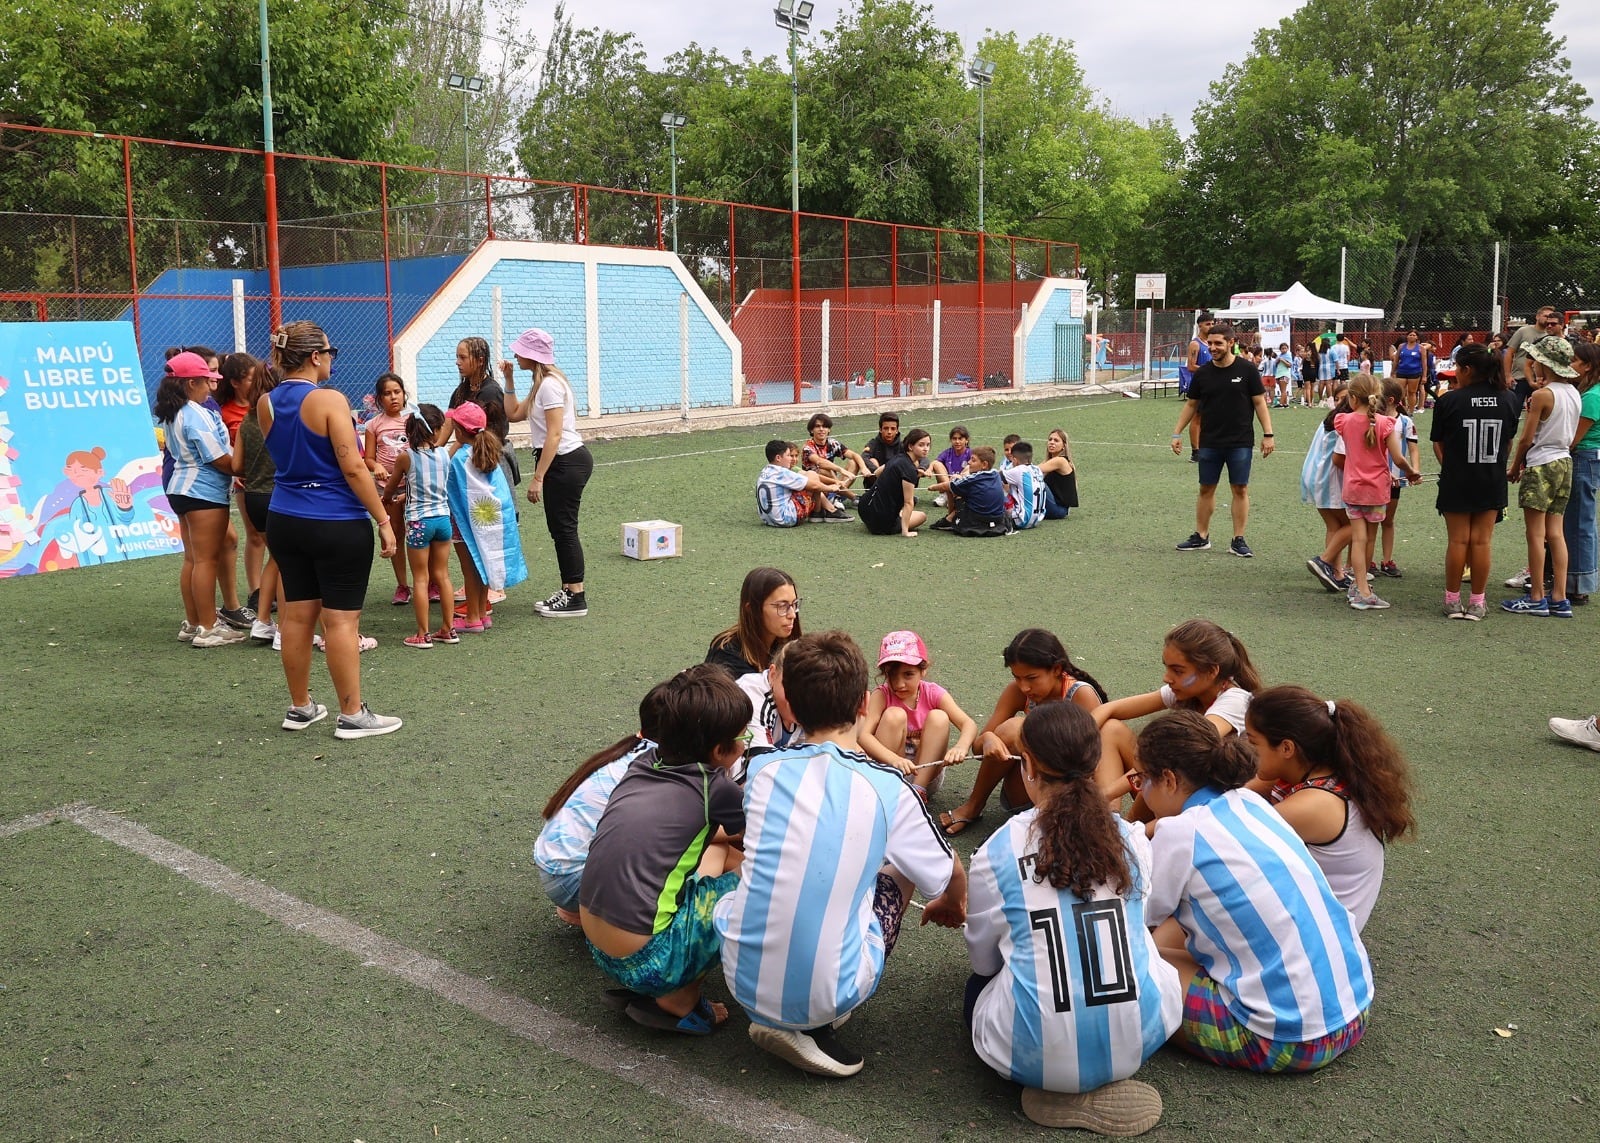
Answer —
1476 427
888 493
730 658
879 452
1226 400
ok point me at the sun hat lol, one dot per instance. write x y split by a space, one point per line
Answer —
469 416
902 647
191 365
1554 353
535 345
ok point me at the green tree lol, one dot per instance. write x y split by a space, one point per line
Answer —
1377 125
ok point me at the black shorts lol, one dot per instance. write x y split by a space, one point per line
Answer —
325 560
255 507
183 505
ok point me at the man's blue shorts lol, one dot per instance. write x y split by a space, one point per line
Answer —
1237 460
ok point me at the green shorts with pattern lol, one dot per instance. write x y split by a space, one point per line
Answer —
1547 487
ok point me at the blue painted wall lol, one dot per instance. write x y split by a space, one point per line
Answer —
347 301
1042 366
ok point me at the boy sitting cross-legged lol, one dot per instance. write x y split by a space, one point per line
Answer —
658 862
834 844
786 496
977 498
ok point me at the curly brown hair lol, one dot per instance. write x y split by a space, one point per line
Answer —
1079 847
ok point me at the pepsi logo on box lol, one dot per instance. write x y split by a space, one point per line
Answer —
652 539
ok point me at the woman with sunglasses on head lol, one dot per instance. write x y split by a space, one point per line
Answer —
319 528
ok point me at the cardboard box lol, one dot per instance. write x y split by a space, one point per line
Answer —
652 539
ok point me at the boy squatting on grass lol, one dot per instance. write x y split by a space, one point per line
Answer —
659 860
834 844
786 497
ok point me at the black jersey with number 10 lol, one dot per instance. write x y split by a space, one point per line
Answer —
1477 429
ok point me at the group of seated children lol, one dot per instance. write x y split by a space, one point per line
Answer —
979 497
1229 927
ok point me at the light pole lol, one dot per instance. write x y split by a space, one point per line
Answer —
796 19
981 72
673 121
466 85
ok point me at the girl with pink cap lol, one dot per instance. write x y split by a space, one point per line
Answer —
909 719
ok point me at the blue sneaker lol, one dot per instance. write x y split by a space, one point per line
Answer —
1527 605
1195 543
1561 609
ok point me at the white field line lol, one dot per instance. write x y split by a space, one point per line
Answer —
708 1100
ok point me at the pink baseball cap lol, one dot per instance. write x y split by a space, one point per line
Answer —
535 345
189 365
902 647
469 416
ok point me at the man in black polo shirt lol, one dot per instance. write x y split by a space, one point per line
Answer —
1225 393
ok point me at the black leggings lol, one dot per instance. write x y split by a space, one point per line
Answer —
563 494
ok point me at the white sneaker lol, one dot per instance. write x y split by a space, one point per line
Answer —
815 1051
187 631
218 635
1521 580
365 724
264 632
1581 731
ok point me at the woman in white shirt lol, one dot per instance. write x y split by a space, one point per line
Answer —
562 462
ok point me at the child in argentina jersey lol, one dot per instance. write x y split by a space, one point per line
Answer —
1025 488
1079 996
1278 979
801 942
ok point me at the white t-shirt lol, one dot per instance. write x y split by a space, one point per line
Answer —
554 392
1230 705
1081 995
767 730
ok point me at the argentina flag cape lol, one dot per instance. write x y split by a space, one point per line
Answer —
485 515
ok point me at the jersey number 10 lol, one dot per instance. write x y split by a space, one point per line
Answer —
1105 962
1483 441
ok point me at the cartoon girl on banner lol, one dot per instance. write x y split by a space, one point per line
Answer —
95 510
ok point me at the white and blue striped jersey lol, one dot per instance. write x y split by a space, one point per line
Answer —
428 484
800 943
1080 996
1025 489
196 436
1260 917
563 844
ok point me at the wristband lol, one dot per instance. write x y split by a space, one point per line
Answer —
1264 436
1177 436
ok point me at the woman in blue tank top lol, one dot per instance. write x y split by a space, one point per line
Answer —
318 528
1409 358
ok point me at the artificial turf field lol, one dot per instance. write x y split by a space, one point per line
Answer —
436 996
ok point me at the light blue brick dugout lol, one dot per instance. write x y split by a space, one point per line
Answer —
1055 341
614 314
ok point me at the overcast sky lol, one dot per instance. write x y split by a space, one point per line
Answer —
1147 57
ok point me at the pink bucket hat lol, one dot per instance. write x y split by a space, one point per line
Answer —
190 365
469 416
535 345
902 647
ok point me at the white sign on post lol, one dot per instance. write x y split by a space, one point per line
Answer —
1149 287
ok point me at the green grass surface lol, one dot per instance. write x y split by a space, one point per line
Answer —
136 1004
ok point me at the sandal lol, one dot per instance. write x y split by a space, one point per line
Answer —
954 826
618 999
700 1021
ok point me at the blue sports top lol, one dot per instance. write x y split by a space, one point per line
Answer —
310 482
1408 361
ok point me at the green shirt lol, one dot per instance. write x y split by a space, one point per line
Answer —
1590 411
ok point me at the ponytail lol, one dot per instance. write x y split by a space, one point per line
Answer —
578 777
170 398
1186 743
423 425
486 451
293 344
1079 846
1347 739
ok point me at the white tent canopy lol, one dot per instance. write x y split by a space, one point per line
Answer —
1298 302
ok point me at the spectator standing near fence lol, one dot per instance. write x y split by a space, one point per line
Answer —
562 463
1515 362
1226 392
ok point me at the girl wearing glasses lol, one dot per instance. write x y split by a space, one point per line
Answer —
769 616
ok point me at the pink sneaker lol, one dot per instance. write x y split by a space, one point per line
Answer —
433 593
422 642
468 628
402 596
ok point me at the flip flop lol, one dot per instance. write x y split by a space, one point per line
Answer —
954 826
618 999
701 1021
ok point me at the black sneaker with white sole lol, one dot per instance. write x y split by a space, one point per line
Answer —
1240 548
1195 543
816 1051
239 618
564 605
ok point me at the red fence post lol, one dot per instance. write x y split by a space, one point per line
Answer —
795 275
133 246
488 209
733 269
388 282
269 187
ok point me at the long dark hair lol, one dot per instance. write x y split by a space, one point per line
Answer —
1186 743
749 634
1079 845
1347 740
237 370
651 708
423 425
1036 647
170 397
1483 367
1205 644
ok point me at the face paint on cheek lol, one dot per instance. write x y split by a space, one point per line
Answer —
1189 680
